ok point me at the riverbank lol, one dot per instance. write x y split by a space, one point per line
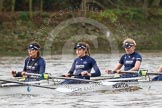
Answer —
62 30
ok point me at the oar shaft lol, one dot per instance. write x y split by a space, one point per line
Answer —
154 73
109 80
124 79
27 84
69 78
133 72
32 74
86 80
146 73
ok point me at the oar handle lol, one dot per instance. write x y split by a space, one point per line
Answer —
139 72
32 74
70 75
110 72
47 75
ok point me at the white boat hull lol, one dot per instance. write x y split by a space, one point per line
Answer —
55 86
13 88
81 88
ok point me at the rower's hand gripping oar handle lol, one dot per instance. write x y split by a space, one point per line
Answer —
16 74
70 75
42 76
13 73
139 72
67 76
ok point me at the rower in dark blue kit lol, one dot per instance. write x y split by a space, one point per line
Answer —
82 65
131 60
34 63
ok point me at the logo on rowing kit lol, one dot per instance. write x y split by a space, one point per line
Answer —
79 66
120 85
129 62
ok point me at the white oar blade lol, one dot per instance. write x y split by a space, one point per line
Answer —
63 89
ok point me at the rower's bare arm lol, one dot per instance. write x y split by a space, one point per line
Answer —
118 67
137 66
116 70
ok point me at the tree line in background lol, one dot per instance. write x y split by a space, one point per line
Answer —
22 21
149 7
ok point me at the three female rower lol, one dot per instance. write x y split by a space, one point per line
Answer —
131 59
82 65
34 63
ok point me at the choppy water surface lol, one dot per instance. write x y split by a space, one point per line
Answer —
60 64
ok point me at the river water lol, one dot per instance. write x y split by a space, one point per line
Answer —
60 64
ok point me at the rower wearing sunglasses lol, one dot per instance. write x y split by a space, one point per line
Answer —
34 63
82 65
131 60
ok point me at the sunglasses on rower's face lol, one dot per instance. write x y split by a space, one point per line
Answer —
31 50
127 45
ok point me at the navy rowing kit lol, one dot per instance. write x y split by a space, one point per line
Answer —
34 65
81 64
157 78
129 60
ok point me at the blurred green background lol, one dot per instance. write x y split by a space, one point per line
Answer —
23 21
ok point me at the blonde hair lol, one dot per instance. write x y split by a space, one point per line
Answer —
87 47
129 40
